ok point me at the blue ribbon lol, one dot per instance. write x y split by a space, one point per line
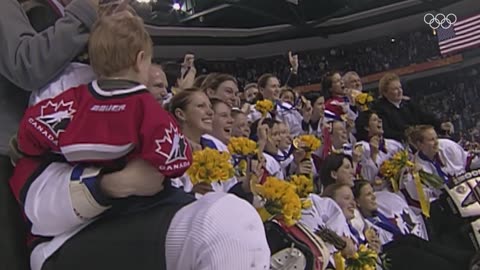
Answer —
284 156
383 222
356 234
207 143
436 164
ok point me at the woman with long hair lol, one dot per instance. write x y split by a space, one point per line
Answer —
399 240
193 111
376 148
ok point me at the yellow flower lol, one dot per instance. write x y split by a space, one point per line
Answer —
309 143
362 101
391 169
306 204
373 255
339 261
264 106
362 248
303 185
368 267
281 199
242 146
364 258
210 165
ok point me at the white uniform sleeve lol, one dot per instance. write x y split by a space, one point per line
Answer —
294 121
369 169
56 203
325 213
75 74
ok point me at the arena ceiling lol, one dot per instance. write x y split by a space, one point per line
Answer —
244 22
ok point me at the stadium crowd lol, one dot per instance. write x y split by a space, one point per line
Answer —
119 163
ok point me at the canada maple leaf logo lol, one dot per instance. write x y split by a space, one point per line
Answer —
56 116
408 222
172 146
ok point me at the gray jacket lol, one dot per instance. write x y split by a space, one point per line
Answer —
29 60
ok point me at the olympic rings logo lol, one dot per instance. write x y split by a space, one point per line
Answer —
440 20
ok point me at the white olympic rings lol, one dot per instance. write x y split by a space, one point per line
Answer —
440 20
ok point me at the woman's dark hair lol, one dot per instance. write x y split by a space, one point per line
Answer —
286 90
262 83
172 72
181 100
213 82
313 96
258 97
331 163
331 190
197 83
263 80
207 79
361 125
236 112
270 122
216 101
250 85
357 187
327 82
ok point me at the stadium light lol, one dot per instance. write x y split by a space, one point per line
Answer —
176 6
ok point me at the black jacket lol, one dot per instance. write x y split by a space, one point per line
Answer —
397 120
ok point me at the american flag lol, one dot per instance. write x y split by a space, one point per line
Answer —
463 34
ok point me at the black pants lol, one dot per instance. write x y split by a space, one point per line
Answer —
126 239
13 251
448 228
411 253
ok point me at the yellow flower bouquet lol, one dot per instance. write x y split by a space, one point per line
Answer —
363 101
280 200
242 146
309 143
393 168
303 187
363 259
242 149
264 106
210 165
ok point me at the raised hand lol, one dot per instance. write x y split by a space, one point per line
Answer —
293 59
307 111
374 147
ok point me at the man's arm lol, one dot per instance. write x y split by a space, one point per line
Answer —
30 59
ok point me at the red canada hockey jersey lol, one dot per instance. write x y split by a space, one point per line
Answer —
90 124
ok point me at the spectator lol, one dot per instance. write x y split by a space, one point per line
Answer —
157 84
398 114
352 81
29 61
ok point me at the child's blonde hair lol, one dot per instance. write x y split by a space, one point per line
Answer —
115 42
